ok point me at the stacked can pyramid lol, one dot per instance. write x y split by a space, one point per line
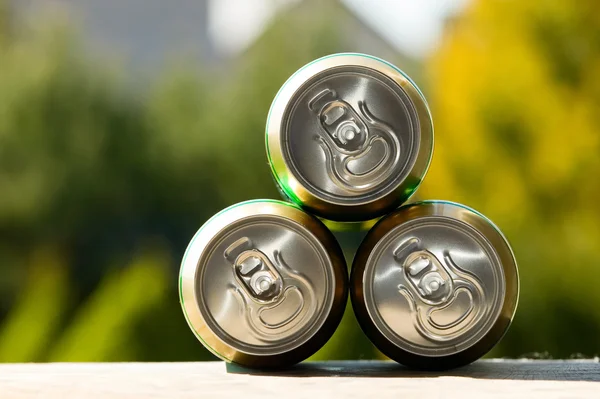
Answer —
264 283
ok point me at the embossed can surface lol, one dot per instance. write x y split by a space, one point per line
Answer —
263 284
349 137
434 285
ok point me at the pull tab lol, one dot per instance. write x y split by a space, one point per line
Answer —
424 272
274 298
340 121
443 305
254 271
360 151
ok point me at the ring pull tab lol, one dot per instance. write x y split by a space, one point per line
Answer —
254 271
444 299
424 272
343 125
274 297
360 150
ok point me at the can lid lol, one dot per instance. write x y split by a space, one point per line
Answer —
348 130
439 279
256 280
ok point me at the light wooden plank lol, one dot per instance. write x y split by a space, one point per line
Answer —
355 379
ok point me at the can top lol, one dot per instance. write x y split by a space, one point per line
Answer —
438 278
256 280
346 131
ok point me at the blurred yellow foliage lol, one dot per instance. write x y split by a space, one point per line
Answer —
516 106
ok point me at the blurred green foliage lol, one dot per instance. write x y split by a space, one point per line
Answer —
103 183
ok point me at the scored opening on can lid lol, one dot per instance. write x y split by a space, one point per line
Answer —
257 280
439 279
349 130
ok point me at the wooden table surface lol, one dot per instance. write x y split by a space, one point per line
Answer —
352 379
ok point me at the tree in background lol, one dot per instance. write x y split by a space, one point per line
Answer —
102 183
79 208
516 105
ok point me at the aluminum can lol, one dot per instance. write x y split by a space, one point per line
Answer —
349 137
434 285
263 284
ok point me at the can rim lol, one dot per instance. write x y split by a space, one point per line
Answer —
507 261
293 188
211 340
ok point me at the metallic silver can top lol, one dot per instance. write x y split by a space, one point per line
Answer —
257 280
437 279
348 131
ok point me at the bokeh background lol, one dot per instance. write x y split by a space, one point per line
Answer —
124 125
